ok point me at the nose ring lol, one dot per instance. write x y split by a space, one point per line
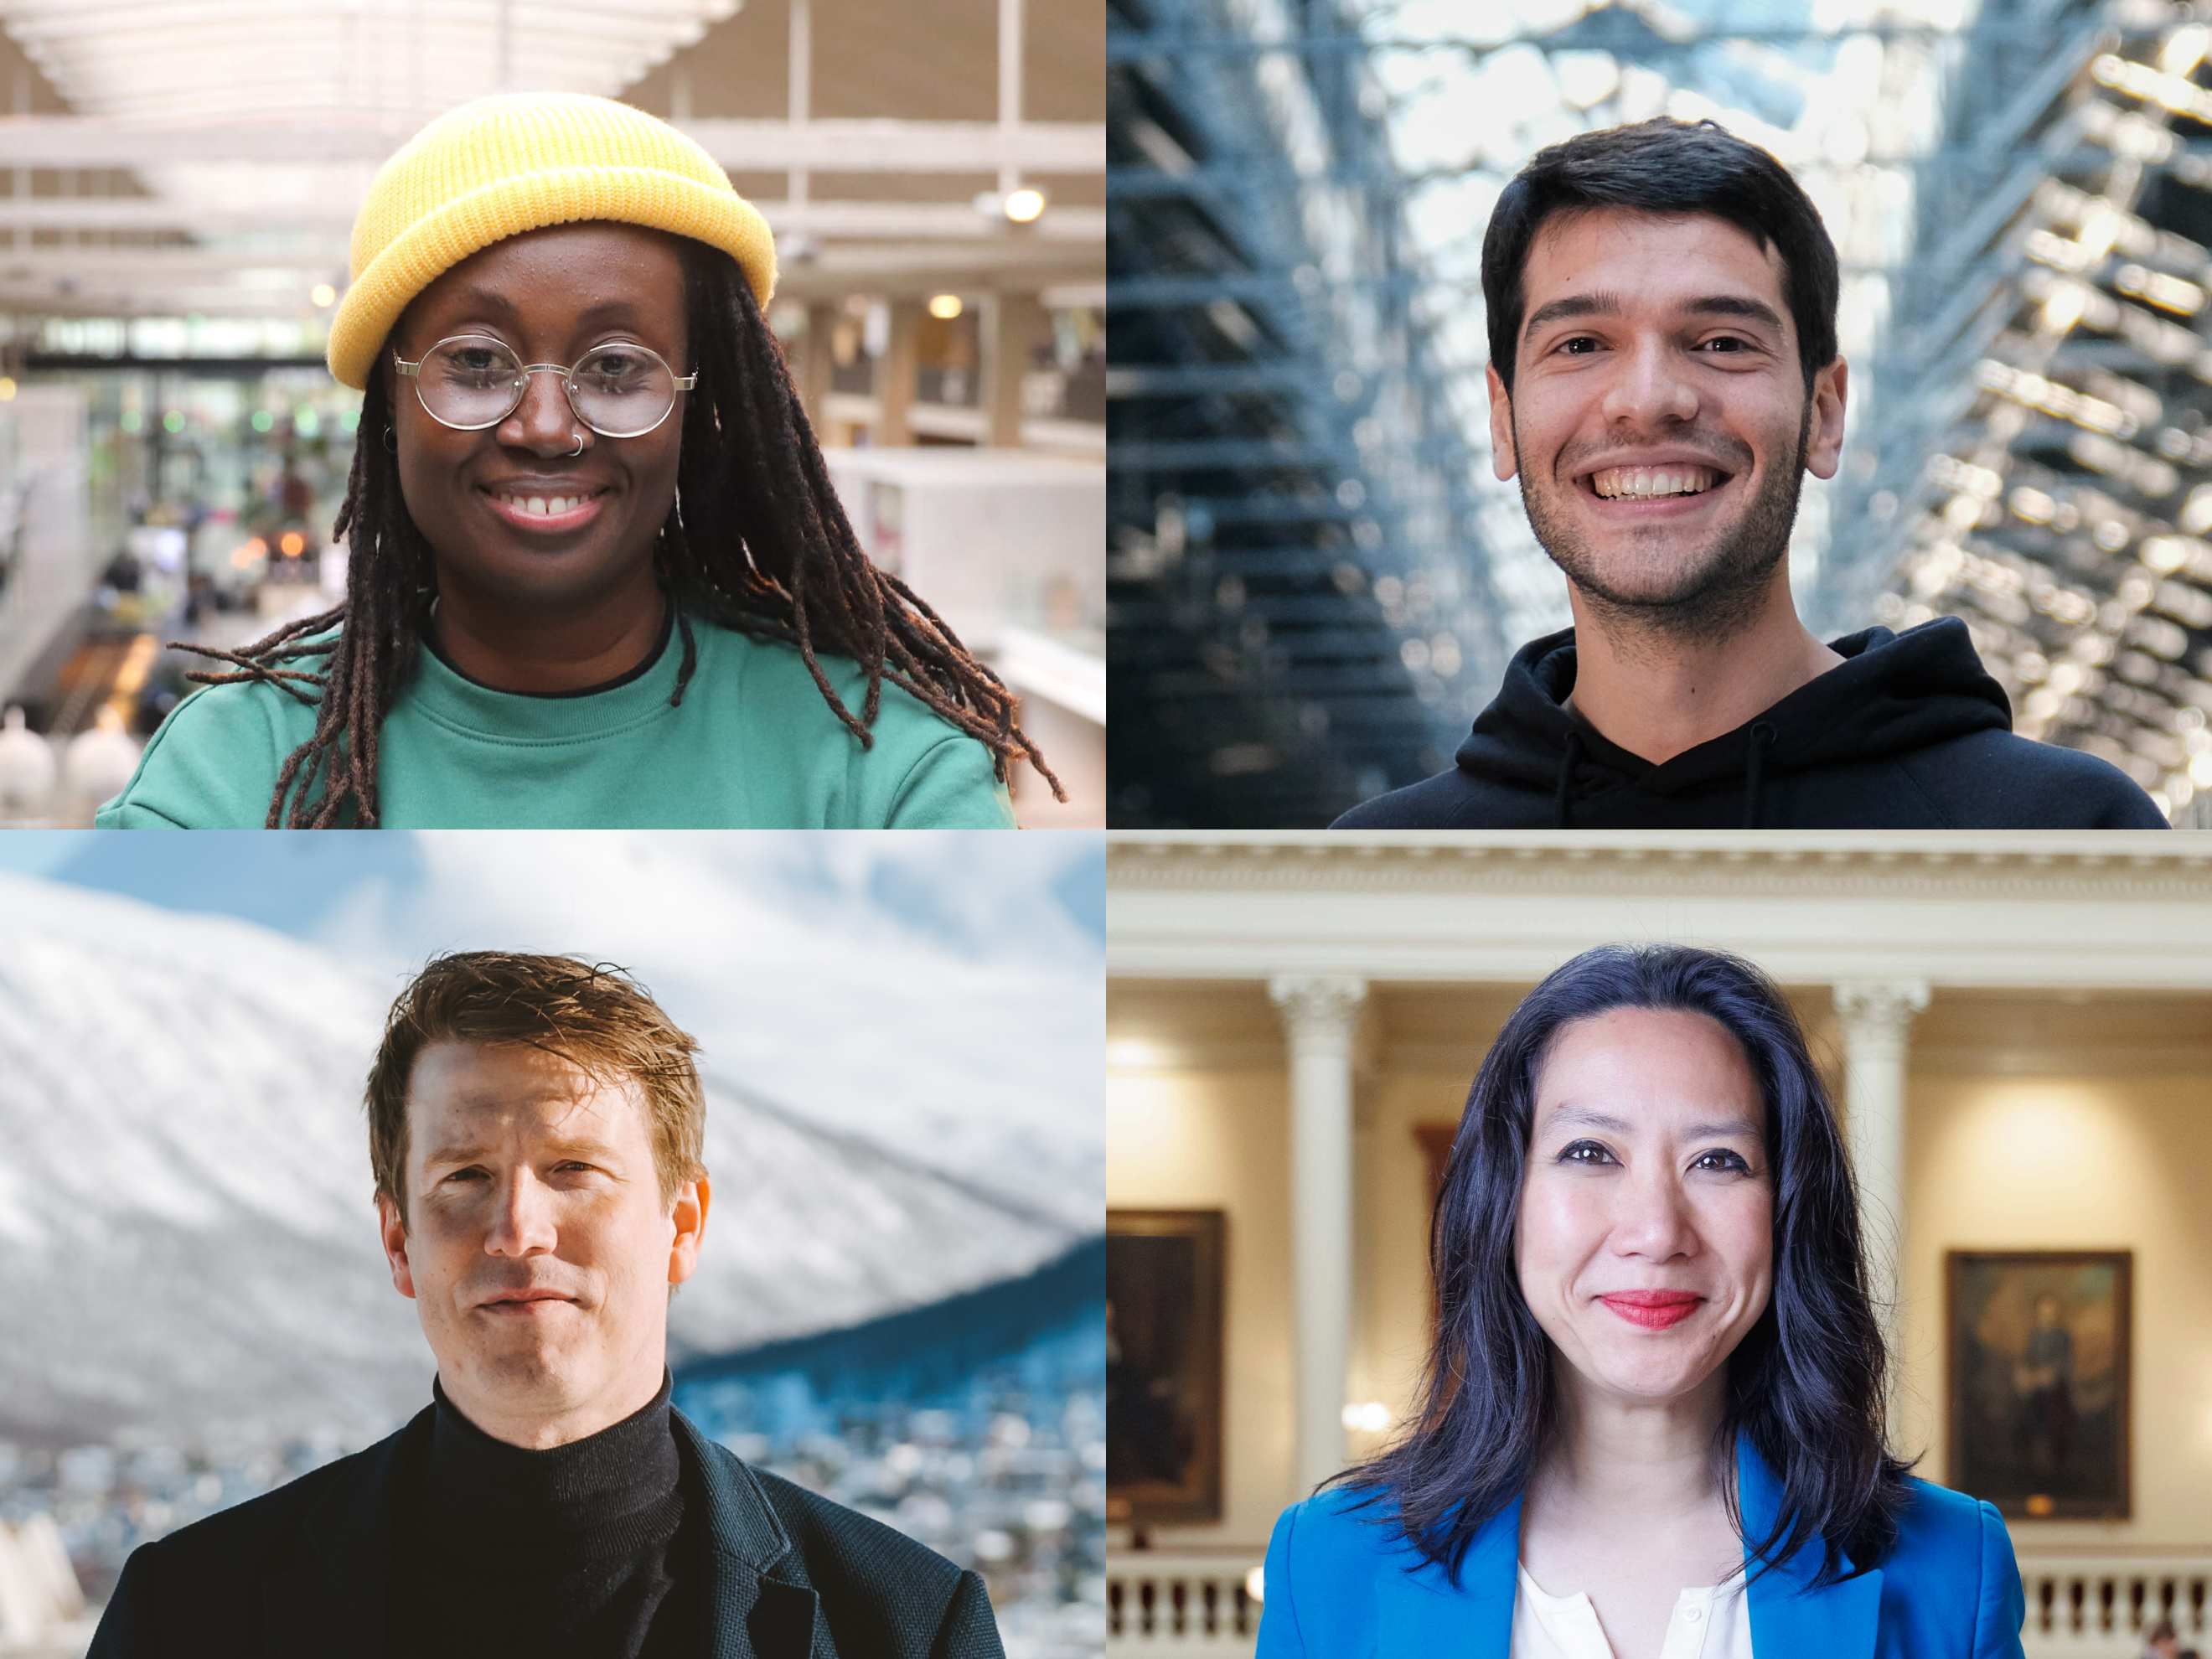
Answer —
579 449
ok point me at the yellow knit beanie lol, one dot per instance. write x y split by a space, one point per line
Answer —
519 161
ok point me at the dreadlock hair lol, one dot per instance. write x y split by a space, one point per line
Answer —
756 540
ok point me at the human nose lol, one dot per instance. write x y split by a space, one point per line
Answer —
1650 389
522 1221
543 421
1653 1218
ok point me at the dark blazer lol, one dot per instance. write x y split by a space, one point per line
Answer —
1340 1586
300 1572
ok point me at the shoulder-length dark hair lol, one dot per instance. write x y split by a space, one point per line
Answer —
1806 1381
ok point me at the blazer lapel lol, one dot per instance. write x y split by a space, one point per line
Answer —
759 1605
1788 1615
327 1599
1419 1612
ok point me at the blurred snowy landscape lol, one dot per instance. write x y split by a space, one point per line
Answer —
902 1041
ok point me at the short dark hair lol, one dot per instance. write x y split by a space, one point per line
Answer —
1663 166
594 1015
1805 1384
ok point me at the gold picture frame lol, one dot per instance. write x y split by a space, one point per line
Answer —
1164 1345
2039 1375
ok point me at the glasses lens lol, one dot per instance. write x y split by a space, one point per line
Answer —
622 391
471 381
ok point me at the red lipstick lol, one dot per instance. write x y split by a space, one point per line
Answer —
1655 1310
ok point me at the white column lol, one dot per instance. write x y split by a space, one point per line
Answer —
1009 87
1319 1015
1877 1018
800 101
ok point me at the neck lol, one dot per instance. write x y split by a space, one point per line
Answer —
1619 1458
565 649
1657 694
537 1426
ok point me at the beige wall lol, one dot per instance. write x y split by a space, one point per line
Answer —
2016 1163
1391 1338
1205 1141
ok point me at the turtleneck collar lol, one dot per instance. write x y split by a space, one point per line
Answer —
488 1487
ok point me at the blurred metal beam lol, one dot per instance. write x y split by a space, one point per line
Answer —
822 146
911 220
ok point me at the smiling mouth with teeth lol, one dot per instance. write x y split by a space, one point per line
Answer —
544 506
1642 483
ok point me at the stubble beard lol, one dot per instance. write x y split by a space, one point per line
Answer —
1713 594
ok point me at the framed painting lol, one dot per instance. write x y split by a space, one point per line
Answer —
2039 1378
1163 1339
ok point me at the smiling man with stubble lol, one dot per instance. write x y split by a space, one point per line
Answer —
1664 372
535 1128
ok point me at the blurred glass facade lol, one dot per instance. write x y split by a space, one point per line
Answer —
2017 192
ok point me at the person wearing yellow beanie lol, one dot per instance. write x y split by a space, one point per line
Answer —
597 576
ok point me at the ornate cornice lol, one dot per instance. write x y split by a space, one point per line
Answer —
2110 866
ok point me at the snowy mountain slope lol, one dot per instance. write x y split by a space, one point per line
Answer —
187 1247
857 979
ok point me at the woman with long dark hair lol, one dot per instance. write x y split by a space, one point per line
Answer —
596 576
1651 1425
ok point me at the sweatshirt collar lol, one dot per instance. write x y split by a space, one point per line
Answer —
442 693
1892 692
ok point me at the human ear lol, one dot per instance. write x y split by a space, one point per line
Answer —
1823 442
690 1219
1503 460
393 1227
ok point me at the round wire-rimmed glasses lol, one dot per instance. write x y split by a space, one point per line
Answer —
471 381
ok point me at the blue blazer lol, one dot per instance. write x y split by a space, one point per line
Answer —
1340 1586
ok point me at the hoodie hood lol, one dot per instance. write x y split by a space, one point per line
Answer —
1891 694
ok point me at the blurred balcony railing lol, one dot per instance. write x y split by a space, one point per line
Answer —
1183 1605
1166 1604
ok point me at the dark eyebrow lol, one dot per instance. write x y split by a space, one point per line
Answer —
491 299
1607 305
1589 1120
1574 305
1741 1126
1735 305
485 299
1594 1119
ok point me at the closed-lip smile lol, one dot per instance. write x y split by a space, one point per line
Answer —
520 1301
1653 1310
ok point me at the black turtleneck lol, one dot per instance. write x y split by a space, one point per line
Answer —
578 1550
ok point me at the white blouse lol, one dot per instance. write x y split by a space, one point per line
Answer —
1712 1623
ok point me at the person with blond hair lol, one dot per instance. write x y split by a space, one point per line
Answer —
535 1126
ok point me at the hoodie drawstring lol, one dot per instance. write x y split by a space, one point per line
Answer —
1564 802
1762 740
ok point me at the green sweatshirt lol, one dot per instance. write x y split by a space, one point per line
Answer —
752 746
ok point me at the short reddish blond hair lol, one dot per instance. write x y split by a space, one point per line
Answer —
592 1015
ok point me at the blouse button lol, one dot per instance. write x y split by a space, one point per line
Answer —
1693 1614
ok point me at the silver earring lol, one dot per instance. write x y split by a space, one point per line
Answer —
579 449
391 442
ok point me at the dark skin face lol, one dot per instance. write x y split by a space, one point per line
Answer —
536 602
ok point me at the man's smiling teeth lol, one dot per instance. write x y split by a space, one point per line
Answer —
1645 481
543 505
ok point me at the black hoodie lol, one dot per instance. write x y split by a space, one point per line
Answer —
1907 732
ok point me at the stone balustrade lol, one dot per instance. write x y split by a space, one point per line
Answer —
1182 1604
1186 1605
2099 1607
